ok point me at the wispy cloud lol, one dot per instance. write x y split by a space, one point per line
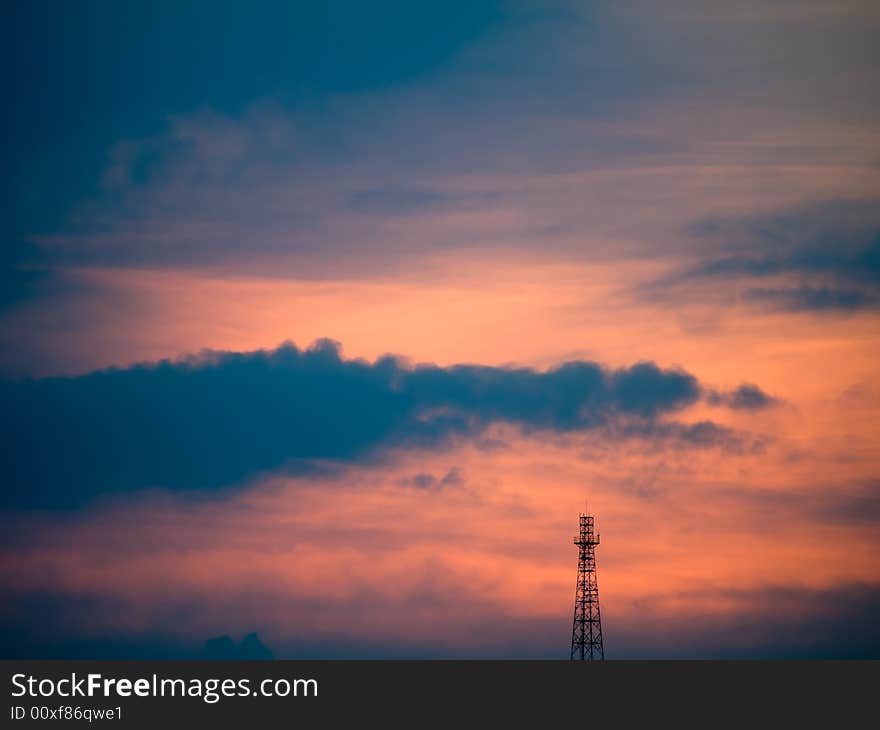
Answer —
823 256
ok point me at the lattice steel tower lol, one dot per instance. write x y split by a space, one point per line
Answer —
586 633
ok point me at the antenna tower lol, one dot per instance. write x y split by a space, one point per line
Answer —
586 633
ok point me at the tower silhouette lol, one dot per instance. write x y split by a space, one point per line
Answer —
586 633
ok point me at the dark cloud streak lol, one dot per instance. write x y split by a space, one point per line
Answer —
747 397
823 257
815 299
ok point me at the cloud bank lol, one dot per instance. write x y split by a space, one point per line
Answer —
218 418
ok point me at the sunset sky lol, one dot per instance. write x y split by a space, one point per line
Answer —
323 321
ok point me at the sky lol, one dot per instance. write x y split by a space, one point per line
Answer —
319 326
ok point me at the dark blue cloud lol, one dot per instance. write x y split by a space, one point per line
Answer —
840 235
54 625
225 647
861 262
424 480
747 397
79 77
816 299
219 418
831 250
776 622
